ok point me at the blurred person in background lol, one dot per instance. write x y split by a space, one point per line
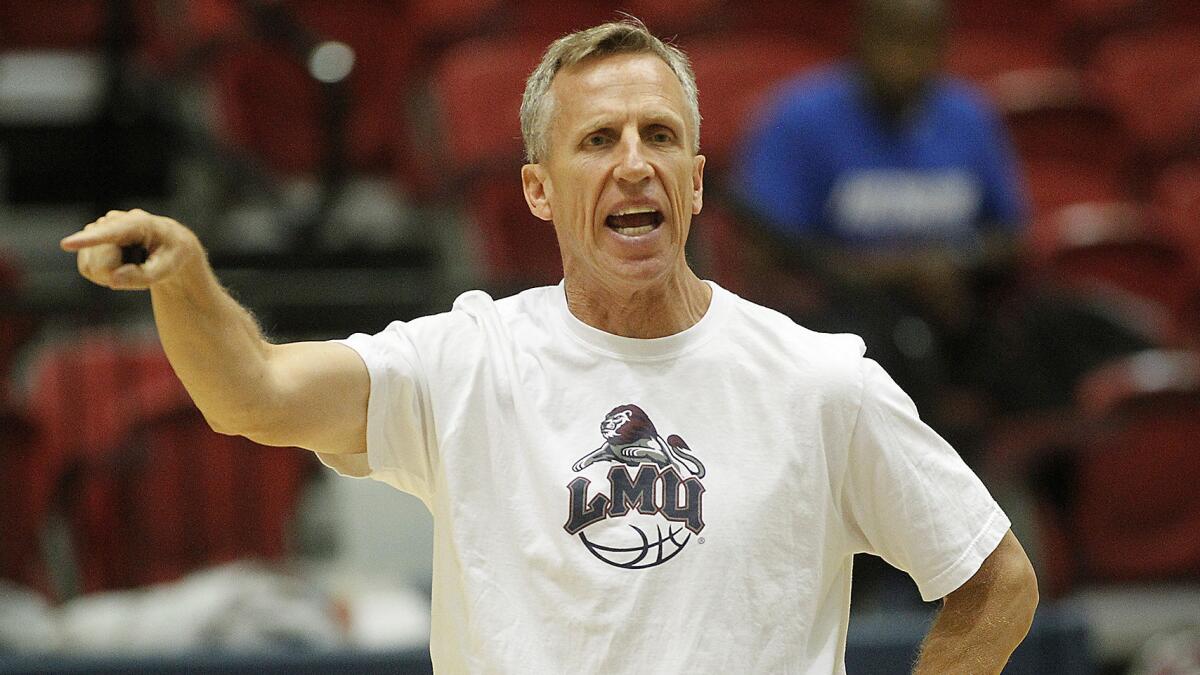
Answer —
500 416
897 189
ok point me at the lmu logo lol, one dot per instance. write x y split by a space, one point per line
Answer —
637 493
658 491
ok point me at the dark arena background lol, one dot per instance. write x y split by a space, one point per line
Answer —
351 162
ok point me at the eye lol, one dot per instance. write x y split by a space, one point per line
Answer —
660 135
596 140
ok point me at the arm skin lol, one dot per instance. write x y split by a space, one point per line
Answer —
982 622
309 394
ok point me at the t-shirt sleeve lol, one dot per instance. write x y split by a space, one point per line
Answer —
401 443
910 498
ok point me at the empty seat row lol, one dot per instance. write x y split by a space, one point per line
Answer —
112 444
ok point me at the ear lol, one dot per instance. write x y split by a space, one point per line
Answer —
697 184
534 181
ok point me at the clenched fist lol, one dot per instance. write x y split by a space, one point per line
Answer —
170 246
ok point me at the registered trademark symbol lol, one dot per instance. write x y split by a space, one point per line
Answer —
700 540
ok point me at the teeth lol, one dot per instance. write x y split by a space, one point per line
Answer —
634 231
635 209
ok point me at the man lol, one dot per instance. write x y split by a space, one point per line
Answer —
884 152
635 469
896 187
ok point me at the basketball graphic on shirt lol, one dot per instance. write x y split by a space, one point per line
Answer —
649 507
637 546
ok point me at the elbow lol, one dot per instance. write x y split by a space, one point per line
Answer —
246 423
258 426
1021 589
1029 594
222 425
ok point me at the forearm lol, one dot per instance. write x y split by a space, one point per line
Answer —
214 345
961 642
983 622
309 394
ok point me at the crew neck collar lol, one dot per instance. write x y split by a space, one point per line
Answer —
643 349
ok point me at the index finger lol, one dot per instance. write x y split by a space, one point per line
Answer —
109 232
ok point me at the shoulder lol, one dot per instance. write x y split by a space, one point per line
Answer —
474 318
813 95
961 99
480 308
833 361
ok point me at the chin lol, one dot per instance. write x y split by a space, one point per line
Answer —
640 272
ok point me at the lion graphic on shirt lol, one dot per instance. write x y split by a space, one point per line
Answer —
630 438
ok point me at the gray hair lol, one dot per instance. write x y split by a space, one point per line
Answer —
628 36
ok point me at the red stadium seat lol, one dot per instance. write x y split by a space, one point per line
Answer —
16 325
828 23
674 17
543 20
24 502
1130 483
82 26
438 19
1183 13
477 90
735 78
66 24
518 249
981 56
1056 182
71 24
1036 18
148 490
1087 23
1050 118
1113 250
270 105
1177 195
1152 82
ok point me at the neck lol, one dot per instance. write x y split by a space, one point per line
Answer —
646 312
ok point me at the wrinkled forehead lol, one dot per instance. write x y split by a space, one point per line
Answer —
601 85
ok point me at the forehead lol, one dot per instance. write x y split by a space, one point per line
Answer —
610 84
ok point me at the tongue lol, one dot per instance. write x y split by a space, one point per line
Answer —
633 220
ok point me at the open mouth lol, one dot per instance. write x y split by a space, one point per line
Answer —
634 221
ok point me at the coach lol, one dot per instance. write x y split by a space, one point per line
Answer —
633 470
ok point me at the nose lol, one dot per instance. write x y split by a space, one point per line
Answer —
632 166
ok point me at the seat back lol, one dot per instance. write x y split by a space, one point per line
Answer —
272 107
1152 82
24 507
735 79
148 490
1132 510
1117 248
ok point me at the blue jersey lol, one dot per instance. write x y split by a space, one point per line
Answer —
823 162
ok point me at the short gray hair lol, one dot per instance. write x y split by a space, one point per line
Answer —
628 36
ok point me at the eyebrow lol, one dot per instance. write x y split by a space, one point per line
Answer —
664 119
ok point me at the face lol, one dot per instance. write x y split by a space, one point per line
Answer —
612 424
619 181
901 51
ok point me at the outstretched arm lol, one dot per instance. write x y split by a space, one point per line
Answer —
982 622
311 395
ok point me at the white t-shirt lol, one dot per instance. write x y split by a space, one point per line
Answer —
715 536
